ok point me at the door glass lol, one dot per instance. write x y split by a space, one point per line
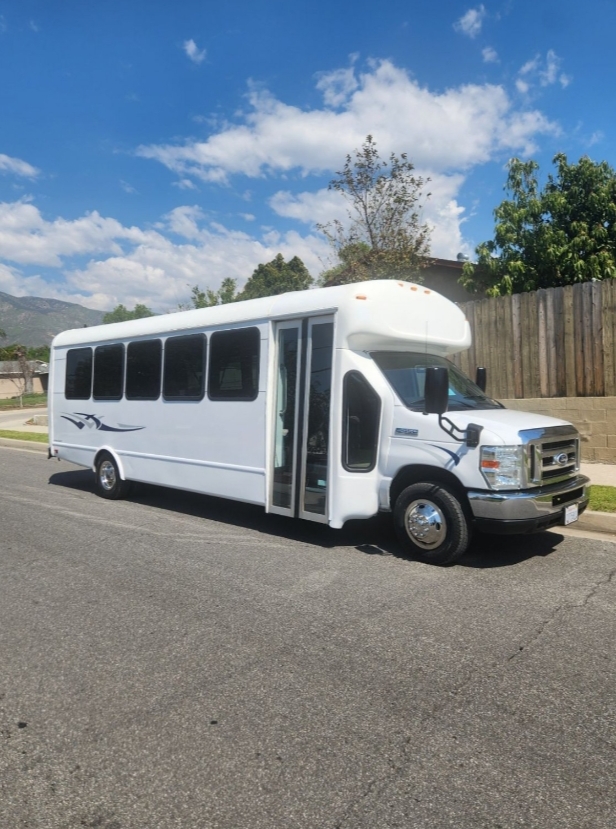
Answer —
317 435
360 426
284 433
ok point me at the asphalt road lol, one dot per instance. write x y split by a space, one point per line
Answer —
179 661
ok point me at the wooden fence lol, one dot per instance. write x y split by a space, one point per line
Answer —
558 342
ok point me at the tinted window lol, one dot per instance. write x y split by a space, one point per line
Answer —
184 375
143 370
362 413
406 372
319 399
108 372
78 381
234 365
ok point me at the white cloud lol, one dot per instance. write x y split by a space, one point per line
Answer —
130 265
128 188
195 54
17 167
321 206
336 86
28 239
530 66
542 72
160 272
402 115
489 55
471 22
596 138
185 184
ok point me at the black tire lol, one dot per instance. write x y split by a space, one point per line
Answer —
431 524
108 482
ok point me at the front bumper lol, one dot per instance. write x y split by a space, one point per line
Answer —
528 510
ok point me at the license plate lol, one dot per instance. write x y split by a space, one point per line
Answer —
571 514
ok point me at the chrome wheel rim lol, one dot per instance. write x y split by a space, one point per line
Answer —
107 475
425 524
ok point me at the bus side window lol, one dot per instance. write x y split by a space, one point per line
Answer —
361 418
143 370
78 380
234 365
184 371
108 372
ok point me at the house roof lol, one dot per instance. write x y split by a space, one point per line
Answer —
9 367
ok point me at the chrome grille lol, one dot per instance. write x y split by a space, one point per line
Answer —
552 454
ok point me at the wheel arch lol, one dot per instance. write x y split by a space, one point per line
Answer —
107 450
424 474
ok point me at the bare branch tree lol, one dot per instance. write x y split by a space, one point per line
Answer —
384 237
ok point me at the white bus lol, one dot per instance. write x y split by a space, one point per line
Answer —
326 405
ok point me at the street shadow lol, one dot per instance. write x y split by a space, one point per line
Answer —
373 536
488 551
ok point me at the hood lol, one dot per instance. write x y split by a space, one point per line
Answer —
504 424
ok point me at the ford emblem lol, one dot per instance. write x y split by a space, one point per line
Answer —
561 459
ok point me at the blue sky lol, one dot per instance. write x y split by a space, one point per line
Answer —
147 146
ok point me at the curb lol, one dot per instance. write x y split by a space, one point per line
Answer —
597 522
32 445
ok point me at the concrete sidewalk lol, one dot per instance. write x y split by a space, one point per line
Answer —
602 474
17 420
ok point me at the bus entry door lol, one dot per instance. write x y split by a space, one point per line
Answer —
300 438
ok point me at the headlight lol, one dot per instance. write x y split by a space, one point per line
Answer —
503 466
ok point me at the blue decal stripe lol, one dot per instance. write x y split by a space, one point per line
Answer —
455 458
77 423
87 419
104 428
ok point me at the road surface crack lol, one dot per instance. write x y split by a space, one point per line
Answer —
564 608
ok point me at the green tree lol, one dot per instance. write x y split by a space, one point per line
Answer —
277 277
7 352
2 334
546 237
121 314
39 352
206 299
384 237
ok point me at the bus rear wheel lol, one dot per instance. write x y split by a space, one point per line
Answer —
109 484
430 523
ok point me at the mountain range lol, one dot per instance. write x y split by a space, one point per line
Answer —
34 321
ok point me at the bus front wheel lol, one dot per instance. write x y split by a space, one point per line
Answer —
430 523
109 484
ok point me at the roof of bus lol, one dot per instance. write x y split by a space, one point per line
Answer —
377 315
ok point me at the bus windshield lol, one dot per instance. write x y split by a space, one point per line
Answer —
406 373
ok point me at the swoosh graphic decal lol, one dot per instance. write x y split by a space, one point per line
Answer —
104 428
92 421
455 458
77 423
